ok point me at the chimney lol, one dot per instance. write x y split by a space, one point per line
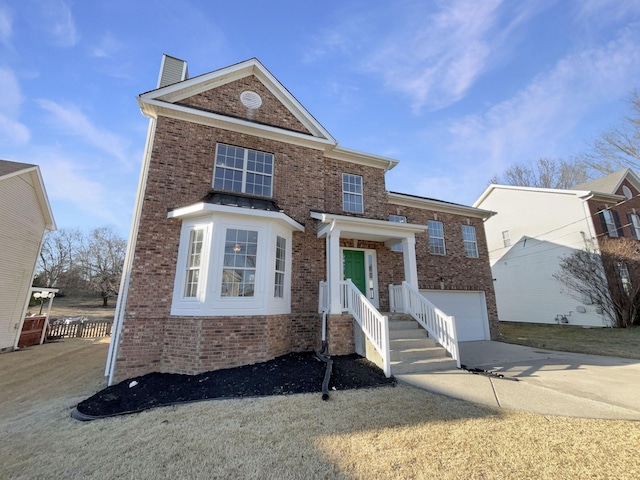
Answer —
172 70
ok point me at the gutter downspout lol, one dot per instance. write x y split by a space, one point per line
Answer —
128 261
320 354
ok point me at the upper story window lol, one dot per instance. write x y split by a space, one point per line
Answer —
623 275
243 170
436 237
611 223
506 238
634 224
469 240
352 199
397 219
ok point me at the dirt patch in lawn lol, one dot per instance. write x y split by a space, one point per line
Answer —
289 374
88 307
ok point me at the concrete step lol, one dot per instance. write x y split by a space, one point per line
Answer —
423 365
403 325
410 333
404 343
413 354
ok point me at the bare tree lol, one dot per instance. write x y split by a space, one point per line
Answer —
102 259
609 278
545 173
57 261
618 147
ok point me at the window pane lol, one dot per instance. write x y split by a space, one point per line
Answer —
398 219
194 261
352 193
469 240
240 256
243 171
281 250
436 237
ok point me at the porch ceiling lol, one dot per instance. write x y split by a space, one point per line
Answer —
366 228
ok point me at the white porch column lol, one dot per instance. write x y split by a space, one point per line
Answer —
334 274
410 264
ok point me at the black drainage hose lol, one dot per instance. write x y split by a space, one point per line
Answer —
327 373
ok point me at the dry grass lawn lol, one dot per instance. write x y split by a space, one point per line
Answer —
616 342
390 433
90 307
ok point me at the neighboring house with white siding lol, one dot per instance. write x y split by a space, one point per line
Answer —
25 217
536 227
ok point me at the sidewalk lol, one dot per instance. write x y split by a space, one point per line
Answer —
540 381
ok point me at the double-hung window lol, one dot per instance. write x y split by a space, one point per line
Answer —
436 237
469 240
239 267
623 275
634 224
194 263
397 219
243 170
281 251
609 223
506 238
352 193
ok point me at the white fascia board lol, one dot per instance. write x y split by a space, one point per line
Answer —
154 108
50 223
365 225
202 83
602 197
444 207
555 191
360 158
202 208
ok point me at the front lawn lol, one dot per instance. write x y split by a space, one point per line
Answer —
617 342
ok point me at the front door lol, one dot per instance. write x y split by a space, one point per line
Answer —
354 269
360 267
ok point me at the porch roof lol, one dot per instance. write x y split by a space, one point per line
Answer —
366 228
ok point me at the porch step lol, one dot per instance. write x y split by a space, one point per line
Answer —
423 366
411 349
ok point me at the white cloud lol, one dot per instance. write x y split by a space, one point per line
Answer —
12 132
73 122
433 52
541 116
59 23
6 25
107 48
67 182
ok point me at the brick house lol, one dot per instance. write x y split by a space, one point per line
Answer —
250 217
525 255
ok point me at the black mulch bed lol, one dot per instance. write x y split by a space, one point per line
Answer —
293 373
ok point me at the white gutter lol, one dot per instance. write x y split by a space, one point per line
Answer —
128 259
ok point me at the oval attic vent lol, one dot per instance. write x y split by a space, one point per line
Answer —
250 99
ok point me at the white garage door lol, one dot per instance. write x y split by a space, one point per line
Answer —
469 309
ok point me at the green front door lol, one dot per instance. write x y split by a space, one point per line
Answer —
354 269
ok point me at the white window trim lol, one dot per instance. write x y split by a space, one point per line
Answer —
506 238
210 302
444 243
361 194
473 242
243 188
635 225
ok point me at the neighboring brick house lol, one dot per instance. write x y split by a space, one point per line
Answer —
246 206
536 227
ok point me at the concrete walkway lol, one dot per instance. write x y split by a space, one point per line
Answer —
540 381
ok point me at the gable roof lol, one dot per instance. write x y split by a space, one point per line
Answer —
10 169
166 101
581 193
611 183
176 92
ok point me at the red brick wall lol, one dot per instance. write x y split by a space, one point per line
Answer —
459 271
340 334
225 100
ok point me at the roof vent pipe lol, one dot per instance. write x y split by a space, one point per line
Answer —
172 70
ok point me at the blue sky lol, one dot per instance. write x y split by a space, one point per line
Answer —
454 90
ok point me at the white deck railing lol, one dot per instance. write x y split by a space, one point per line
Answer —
441 327
374 325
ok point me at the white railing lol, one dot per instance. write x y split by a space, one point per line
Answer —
374 325
441 327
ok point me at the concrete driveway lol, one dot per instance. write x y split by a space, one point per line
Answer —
542 381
